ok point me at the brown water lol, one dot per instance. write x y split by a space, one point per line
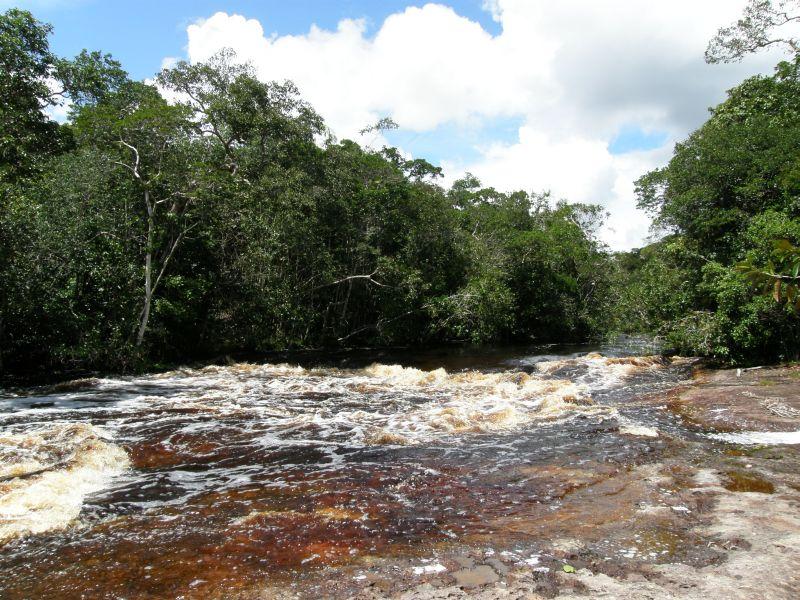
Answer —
203 482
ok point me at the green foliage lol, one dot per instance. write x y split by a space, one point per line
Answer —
742 326
481 311
780 277
230 220
27 135
657 286
724 284
740 163
68 283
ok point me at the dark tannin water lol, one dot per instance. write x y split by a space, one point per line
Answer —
202 482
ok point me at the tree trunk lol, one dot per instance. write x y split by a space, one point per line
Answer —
2 344
145 314
148 272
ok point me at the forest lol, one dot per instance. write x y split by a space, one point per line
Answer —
207 213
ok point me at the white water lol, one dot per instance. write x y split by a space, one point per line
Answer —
759 438
55 455
48 473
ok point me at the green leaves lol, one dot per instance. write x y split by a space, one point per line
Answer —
89 77
26 135
33 79
739 164
778 277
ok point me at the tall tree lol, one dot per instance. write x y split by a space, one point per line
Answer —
763 24
147 137
741 162
27 135
729 191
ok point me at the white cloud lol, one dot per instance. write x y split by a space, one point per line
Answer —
424 67
573 72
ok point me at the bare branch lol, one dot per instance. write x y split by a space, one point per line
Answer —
169 256
774 276
135 168
122 164
352 278
754 31
356 332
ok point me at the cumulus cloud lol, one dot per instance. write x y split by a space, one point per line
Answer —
573 72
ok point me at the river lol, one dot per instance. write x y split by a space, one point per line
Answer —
205 482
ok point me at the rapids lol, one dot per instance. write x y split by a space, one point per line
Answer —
202 481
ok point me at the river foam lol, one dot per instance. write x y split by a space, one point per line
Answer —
378 404
474 402
243 472
391 404
46 474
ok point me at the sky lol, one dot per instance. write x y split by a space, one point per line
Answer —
578 97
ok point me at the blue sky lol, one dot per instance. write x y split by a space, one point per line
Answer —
576 97
140 34
631 138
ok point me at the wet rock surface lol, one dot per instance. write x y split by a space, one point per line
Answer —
717 544
730 400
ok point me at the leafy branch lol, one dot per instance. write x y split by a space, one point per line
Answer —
780 277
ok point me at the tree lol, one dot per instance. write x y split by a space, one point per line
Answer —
254 124
71 282
729 191
763 24
26 133
215 213
147 137
741 162
32 79
264 164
